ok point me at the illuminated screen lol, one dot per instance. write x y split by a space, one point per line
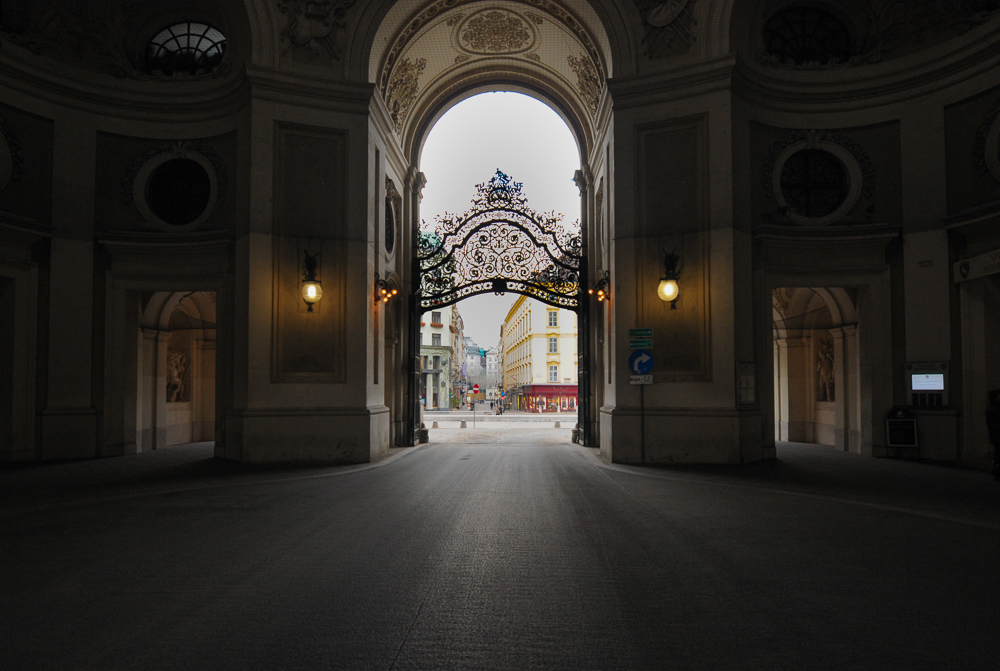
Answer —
928 382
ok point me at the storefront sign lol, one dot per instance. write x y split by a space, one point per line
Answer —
978 266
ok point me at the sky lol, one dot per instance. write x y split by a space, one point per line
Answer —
511 132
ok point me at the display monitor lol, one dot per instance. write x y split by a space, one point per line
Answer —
927 382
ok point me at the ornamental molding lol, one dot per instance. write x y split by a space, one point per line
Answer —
402 90
861 173
422 19
885 25
495 32
986 151
132 186
500 244
587 82
312 25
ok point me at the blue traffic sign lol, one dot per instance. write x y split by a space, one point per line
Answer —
641 362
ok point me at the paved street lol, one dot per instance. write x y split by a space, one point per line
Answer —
521 552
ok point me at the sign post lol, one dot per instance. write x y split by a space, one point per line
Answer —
640 364
475 392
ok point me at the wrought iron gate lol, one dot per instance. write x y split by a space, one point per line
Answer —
500 244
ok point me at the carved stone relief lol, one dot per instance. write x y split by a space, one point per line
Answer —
495 32
176 367
11 156
824 372
587 82
402 89
669 26
311 25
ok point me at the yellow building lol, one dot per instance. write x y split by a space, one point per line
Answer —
539 357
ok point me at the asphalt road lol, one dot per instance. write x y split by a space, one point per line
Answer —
485 556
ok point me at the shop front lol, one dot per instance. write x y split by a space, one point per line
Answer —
547 397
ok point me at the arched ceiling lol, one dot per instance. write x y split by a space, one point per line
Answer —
449 48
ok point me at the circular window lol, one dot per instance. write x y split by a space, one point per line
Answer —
814 183
390 225
817 183
178 191
804 35
185 47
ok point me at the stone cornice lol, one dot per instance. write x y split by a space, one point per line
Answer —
685 82
309 91
867 86
77 89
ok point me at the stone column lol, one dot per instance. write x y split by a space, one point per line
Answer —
840 388
800 395
781 389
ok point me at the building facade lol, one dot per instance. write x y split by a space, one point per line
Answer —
540 357
442 354
834 204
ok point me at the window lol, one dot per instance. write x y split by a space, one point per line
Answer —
553 345
553 373
436 339
553 318
437 364
435 318
185 47
814 182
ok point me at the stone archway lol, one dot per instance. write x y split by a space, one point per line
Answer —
428 59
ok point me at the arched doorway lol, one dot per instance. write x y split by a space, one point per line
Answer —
425 61
816 367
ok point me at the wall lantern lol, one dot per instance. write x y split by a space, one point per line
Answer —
668 289
383 290
603 287
312 289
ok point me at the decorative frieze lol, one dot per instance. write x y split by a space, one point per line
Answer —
402 89
587 82
312 25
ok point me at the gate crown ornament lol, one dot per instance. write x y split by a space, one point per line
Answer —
499 244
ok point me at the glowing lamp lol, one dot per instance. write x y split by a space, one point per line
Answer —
312 289
667 291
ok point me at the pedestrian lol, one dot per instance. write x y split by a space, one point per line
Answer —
993 425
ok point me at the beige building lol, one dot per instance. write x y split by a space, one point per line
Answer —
442 351
539 357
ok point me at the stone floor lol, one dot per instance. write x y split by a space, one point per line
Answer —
520 552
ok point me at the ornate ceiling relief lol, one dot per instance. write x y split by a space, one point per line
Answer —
669 27
310 26
495 32
437 44
586 80
402 89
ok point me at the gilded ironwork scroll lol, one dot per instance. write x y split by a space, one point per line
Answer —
500 244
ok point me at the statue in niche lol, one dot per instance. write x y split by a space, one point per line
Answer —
824 367
176 365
